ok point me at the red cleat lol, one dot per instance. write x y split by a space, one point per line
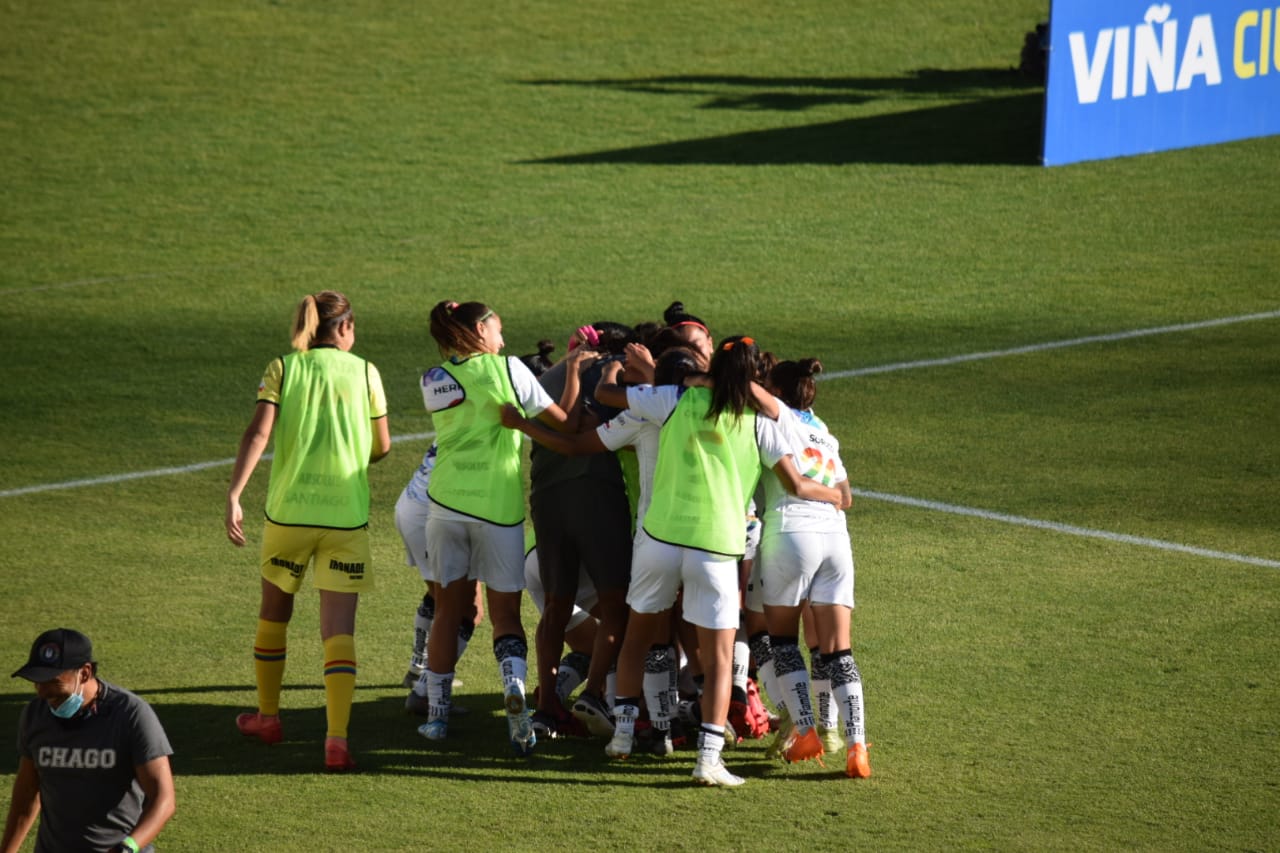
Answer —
264 728
336 757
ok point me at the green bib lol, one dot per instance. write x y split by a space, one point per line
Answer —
323 437
478 459
706 473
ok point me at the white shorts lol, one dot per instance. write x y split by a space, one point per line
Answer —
587 597
710 582
475 549
411 521
795 567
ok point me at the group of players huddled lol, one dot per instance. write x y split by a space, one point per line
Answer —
687 511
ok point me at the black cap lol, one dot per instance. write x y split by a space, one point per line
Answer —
54 652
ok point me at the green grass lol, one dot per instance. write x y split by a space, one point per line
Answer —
854 181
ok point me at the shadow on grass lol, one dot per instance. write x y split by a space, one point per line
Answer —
385 741
997 123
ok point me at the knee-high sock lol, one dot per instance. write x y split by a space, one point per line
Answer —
657 680
339 682
741 667
827 714
846 687
512 654
422 620
762 651
793 680
464 637
269 652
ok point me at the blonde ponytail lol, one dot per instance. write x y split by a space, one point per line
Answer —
305 322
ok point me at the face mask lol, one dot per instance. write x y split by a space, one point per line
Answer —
70 706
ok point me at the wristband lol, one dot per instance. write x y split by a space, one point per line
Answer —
129 844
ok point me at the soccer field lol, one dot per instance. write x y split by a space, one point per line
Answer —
1057 394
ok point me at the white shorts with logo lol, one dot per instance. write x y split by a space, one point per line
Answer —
459 546
800 566
411 522
710 581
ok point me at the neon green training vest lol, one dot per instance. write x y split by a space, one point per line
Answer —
706 473
478 459
323 437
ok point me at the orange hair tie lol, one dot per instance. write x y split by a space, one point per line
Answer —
728 345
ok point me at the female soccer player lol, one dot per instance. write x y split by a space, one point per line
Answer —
693 534
475 531
805 556
328 412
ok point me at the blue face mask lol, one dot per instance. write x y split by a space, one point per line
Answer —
70 706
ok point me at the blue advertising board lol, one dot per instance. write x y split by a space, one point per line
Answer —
1130 77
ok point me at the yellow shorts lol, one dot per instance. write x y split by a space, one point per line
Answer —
341 557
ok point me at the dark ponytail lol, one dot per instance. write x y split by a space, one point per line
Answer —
453 325
794 383
734 365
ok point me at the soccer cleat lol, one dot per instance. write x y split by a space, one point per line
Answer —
594 714
437 729
803 746
337 758
757 714
739 715
417 705
715 775
620 745
657 741
731 736
832 739
544 725
857 766
264 728
519 725
786 730
567 725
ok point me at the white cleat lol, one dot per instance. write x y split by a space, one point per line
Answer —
715 775
620 746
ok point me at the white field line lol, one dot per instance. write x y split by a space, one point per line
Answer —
869 495
1069 529
1051 345
157 472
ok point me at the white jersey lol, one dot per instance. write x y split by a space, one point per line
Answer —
631 429
816 454
416 490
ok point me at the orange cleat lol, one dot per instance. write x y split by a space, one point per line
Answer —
857 766
264 728
804 746
336 757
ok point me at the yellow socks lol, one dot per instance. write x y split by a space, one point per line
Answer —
268 664
339 682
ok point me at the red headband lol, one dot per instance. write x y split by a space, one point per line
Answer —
691 323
